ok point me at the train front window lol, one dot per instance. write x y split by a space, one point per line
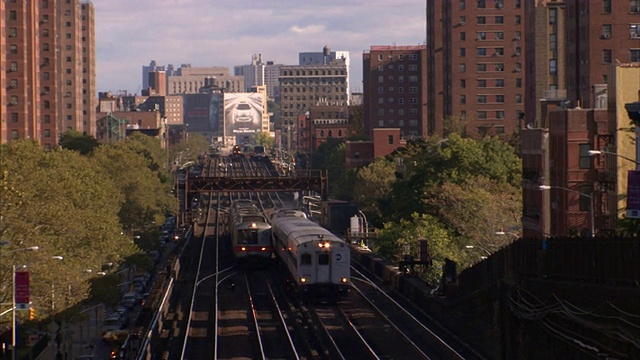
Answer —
323 259
247 237
305 259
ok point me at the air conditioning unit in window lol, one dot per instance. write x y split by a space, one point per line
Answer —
517 37
606 36
461 23
518 69
12 35
14 102
13 86
634 36
13 69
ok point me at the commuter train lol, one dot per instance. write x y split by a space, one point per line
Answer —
250 232
317 260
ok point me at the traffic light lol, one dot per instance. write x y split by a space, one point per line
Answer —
32 313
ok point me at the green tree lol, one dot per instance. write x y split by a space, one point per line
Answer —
59 202
74 140
374 184
442 245
265 139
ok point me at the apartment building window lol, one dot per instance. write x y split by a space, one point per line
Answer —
401 89
14 117
482 35
498 67
390 139
518 4
634 6
46 104
606 56
391 89
481 20
380 79
413 67
380 111
413 101
499 35
462 68
401 68
45 47
635 55
499 83
500 99
481 51
585 201
13 32
68 59
413 56
390 78
482 4
482 83
519 82
69 117
380 122
518 67
413 78
518 19
463 83
68 71
481 99
380 100
463 52
585 158
500 114
47 119
413 90
462 5
499 19
45 4
67 24
498 51
413 122
606 31
401 111
400 78
518 35
481 114
634 31
13 49
380 90
47 133
463 99
45 76
482 67
390 100
518 98
13 15
553 66
463 36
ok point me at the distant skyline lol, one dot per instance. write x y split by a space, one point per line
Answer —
203 33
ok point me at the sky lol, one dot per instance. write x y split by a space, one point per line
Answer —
204 33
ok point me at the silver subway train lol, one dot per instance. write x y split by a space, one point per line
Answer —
250 232
317 260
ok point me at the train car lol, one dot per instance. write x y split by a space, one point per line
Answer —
250 233
317 260
236 150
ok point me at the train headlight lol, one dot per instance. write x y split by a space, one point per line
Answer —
325 245
263 249
303 280
253 225
344 280
243 248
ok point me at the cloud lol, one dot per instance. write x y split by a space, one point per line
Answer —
129 34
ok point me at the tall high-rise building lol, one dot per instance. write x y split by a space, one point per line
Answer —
475 63
50 70
253 73
325 57
189 80
272 80
394 95
301 87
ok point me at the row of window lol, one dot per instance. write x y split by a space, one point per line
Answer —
484 114
490 67
392 100
330 133
400 79
400 111
312 72
496 99
411 67
412 56
392 122
318 89
412 89
483 82
634 31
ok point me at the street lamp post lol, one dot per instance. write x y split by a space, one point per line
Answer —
470 247
14 325
599 152
590 197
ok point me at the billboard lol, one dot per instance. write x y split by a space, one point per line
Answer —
243 114
633 195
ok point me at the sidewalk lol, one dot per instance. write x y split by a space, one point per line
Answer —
82 339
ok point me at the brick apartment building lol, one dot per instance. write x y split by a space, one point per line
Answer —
395 95
48 53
